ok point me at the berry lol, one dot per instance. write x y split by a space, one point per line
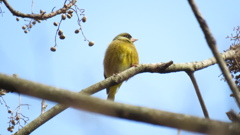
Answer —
77 31
91 43
53 49
84 19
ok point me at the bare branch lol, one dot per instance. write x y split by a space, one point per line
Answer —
199 95
85 102
39 16
193 66
198 65
212 44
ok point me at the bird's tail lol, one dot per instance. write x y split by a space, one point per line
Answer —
112 91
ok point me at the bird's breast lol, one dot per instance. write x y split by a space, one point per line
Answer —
119 57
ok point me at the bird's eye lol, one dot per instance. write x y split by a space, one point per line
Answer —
128 36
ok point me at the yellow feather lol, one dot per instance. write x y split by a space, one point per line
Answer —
112 91
120 55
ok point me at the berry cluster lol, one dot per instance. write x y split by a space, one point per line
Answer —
68 13
27 27
15 119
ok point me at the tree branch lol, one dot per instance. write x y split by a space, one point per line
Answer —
199 95
92 104
212 44
39 16
193 66
91 90
233 116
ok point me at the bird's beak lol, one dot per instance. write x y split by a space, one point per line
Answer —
134 39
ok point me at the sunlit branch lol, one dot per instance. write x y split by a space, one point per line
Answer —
213 46
39 16
105 107
191 66
199 95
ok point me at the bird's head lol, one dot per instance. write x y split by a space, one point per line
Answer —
125 37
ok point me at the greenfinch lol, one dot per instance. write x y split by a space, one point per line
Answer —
120 55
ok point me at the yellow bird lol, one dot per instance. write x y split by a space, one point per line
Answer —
120 55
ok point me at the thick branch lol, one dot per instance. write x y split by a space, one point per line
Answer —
193 66
212 44
39 16
198 65
91 90
85 102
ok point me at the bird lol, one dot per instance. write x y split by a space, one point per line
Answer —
120 55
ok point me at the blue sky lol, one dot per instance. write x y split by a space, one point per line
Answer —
167 30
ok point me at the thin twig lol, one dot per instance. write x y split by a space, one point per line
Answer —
212 44
32 6
197 90
39 16
5 103
57 32
43 106
179 132
20 103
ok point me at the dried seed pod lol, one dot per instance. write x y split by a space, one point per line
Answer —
91 43
62 37
9 129
39 21
55 23
9 111
69 16
63 16
65 5
18 117
60 32
17 19
84 19
13 122
77 31
70 11
25 31
34 22
23 27
53 49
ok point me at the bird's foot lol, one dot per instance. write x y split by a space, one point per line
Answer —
134 65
